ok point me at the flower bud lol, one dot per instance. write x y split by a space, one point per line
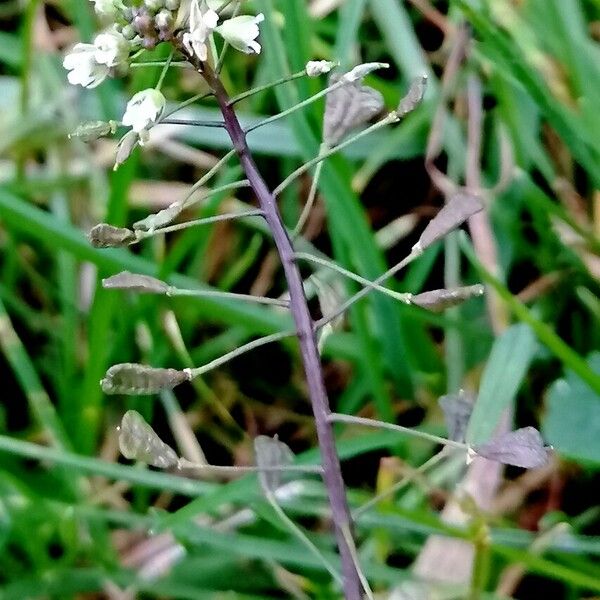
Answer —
314 68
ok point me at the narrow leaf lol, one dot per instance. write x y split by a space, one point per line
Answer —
138 441
135 283
132 378
521 448
456 211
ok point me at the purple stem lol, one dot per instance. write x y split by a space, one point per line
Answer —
332 474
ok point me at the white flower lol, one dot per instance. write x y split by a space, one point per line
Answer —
83 68
143 110
241 32
202 23
111 48
314 68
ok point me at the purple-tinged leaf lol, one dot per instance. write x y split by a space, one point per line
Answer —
455 212
521 448
132 378
135 282
138 441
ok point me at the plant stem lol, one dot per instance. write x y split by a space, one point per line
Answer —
142 235
228 296
352 420
405 298
332 473
191 122
266 86
391 118
225 358
371 285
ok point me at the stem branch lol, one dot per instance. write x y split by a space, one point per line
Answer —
332 474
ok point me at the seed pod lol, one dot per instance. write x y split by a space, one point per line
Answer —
360 71
125 147
104 235
135 282
438 300
132 378
93 130
270 452
348 107
138 441
330 296
160 219
413 97
521 448
457 410
455 212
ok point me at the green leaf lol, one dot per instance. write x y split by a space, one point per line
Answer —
509 360
572 422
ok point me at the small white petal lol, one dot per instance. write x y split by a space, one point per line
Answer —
143 110
241 32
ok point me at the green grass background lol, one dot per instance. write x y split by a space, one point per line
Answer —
70 513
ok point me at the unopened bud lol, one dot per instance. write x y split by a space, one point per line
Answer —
104 235
93 130
132 378
172 4
314 68
154 5
164 20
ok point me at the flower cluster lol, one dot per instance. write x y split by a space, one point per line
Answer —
187 23
137 25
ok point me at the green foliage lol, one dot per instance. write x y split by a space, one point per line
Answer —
573 417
